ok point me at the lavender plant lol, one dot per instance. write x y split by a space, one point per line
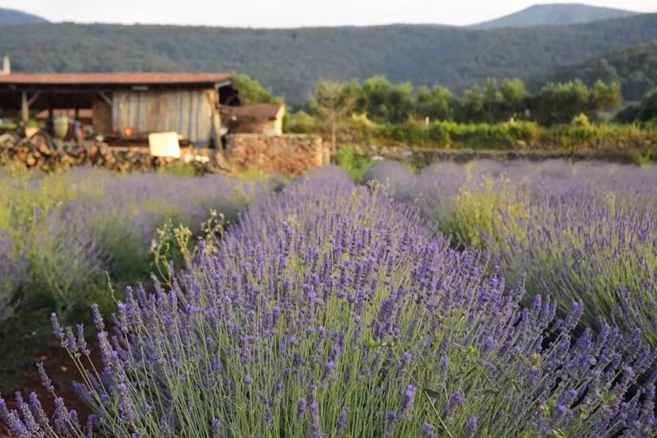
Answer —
333 311
579 232
76 226
13 266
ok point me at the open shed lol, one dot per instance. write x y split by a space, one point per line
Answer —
186 103
261 118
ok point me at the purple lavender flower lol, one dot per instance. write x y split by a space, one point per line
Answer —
301 409
472 427
341 423
427 431
98 318
45 380
456 400
216 428
408 401
315 423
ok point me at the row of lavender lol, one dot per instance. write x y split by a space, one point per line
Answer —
61 234
331 310
581 231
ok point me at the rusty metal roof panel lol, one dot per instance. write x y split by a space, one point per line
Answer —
114 78
258 112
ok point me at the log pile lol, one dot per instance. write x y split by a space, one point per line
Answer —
52 155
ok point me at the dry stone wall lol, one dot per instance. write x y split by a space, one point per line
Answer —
289 154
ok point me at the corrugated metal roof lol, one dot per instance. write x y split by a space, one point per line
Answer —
113 78
258 112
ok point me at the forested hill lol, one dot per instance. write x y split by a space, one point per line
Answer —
11 16
554 15
292 61
635 69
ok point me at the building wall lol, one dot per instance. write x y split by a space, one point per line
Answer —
102 116
190 113
269 127
289 154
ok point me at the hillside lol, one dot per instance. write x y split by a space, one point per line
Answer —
554 15
635 69
292 61
11 16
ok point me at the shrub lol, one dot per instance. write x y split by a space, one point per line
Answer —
353 162
332 311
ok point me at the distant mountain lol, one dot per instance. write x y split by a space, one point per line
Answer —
554 15
634 68
292 61
11 16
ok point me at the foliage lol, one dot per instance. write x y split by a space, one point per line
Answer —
251 91
353 162
579 232
386 103
333 104
635 69
301 123
293 61
61 235
333 311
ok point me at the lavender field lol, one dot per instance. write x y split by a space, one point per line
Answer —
485 300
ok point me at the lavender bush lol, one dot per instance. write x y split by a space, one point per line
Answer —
333 311
583 231
13 268
75 227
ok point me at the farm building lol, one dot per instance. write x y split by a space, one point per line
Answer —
187 103
266 119
85 116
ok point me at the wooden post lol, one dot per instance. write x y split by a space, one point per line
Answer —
25 108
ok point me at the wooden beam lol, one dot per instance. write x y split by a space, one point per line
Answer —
25 107
35 97
106 98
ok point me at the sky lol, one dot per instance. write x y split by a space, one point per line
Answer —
289 13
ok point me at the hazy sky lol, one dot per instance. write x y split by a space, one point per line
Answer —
289 13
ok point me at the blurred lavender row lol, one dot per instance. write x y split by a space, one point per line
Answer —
332 310
576 231
60 234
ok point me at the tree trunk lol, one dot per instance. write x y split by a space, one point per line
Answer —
333 148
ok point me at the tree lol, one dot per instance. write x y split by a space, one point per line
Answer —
648 107
513 96
605 97
492 104
559 103
251 91
333 103
472 107
437 104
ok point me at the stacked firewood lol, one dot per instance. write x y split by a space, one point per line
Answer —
53 155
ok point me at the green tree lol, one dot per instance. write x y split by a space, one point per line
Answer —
514 94
251 91
387 103
333 104
472 106
648 107
492 105
560 103
606 97
437 104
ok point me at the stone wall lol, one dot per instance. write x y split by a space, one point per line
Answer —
290 154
